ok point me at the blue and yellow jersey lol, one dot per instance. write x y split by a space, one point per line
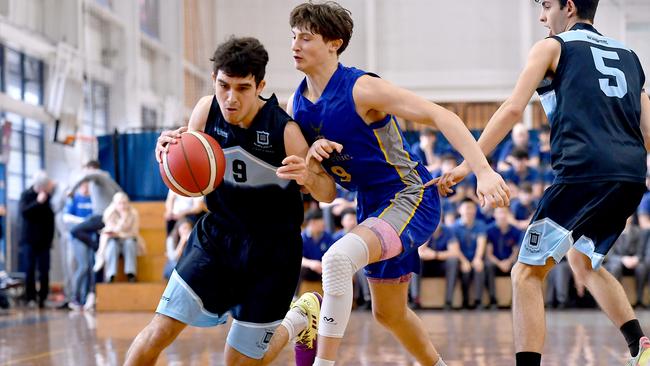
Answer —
374 161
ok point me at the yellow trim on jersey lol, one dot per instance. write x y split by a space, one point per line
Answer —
415 208
383 150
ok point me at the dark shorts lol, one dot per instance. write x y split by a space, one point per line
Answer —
587 216
221 271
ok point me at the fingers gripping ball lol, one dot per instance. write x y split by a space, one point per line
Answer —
194 166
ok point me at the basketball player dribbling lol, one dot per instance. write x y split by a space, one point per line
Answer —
591 87
244 256
348 116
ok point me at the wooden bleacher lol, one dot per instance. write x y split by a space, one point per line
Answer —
144 294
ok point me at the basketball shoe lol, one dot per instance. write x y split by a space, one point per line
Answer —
643 357
305 348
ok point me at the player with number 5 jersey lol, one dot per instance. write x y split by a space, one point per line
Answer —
591 87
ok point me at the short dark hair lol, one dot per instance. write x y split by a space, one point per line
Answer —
349 210
329 19
313 214
586 8
519 154
526 187
240 57
93 164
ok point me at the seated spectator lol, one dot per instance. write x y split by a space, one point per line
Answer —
333 211
519 138
449 204
424 149
502 249
119 236
523 207
79 208
175 244
315 242
545 147
472 239
558 281
178 207
628 257
643 212
521 173
440 258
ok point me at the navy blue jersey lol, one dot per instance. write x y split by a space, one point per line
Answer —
503 243
252 198
441 242
468 237
593 104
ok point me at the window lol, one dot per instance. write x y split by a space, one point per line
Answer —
26 155
13 74
95 118
149 118
149 14
22 76
33 81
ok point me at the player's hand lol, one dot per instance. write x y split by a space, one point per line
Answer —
450 179
167 137
492 189
294 168
322 148
465 266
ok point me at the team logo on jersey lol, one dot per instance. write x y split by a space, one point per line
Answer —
533 241
263 138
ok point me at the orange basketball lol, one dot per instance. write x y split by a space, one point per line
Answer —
194 166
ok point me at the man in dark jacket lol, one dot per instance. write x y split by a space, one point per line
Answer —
36 235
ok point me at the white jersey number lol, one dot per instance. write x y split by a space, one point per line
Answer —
620 89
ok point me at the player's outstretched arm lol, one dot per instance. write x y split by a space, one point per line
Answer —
645 120
306 172
542 58
374 94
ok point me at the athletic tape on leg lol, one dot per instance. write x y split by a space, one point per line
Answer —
391 244
341 261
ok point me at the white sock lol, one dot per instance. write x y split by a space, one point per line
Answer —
440 362
295 322
321 362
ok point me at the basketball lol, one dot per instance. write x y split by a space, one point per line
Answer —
194 166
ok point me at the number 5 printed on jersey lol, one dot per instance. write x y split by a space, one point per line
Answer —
620 89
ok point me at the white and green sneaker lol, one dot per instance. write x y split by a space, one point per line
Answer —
643 357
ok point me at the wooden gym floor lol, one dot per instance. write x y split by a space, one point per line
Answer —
467 338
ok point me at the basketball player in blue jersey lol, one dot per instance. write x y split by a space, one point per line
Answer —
348 116
591 87
244 256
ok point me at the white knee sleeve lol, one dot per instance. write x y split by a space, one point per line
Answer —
340 263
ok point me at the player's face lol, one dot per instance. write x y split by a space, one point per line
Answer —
237 96
309 50
553 17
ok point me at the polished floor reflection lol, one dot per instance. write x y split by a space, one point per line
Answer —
575 338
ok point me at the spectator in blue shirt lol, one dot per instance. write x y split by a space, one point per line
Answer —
520 173
520 138
502 249
643 212
315 242
78 209
472 239
523 207
424 149
440 259
545 147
